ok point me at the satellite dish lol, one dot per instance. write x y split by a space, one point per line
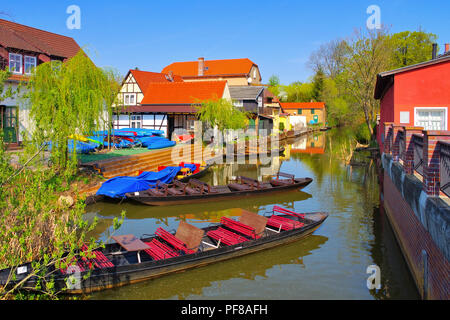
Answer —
249 80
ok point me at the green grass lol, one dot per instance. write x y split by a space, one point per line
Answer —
113 154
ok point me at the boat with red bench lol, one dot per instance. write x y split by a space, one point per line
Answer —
198 191
129 259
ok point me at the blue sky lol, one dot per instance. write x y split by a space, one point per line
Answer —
279 36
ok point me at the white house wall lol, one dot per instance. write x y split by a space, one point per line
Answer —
24 121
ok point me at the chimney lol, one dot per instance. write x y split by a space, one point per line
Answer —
447 47
201 66
434 54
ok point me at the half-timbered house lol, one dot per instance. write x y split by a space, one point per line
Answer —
23 48
129 113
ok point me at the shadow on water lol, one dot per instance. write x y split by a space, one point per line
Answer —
330 264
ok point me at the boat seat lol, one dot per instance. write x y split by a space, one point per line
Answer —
253 183
100 260
156 193
175 192
288 212
225 236
282 223
239 227
192 191
187 238
158 250
78 264
280 182
239 187
161 190
203 186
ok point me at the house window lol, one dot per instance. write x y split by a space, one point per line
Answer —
260 102
136 121
313 111
30 63
15 63
130 99
431 118
238 103
299 111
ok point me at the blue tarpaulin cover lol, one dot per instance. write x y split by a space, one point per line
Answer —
117 187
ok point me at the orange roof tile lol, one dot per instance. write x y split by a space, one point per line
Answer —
302 105
144 78
183 92
211 67
22 37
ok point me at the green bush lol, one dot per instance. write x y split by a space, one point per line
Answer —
362 134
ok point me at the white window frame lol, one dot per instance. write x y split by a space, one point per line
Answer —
130 99
136 119
260 101
445 109
21 62
33 65
238 103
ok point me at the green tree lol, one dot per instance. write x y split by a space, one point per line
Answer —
39 227
67 98
410 48
274 81
370 54
222 114
318 85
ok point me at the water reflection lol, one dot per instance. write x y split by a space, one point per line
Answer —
331 264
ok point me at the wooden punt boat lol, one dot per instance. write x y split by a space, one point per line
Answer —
167 252
197 191
96 198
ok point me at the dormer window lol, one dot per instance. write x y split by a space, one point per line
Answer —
30 63
15 63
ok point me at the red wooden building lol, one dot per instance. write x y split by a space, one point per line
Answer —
417 95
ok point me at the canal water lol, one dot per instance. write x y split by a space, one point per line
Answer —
335 262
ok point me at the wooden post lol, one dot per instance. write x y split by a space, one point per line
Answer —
431 160
408 157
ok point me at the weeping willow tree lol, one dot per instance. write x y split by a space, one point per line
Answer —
65 99
222 114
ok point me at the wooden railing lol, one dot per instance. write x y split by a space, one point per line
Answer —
422 152
444 167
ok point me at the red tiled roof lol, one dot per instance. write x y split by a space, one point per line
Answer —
211 67
302 105
14 35
144 78
182 92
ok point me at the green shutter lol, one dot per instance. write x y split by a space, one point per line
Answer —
299 111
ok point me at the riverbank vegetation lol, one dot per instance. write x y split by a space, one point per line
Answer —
345 73
40 212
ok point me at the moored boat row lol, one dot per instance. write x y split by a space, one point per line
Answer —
129 259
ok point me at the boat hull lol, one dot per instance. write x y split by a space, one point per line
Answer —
122 275
188 199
